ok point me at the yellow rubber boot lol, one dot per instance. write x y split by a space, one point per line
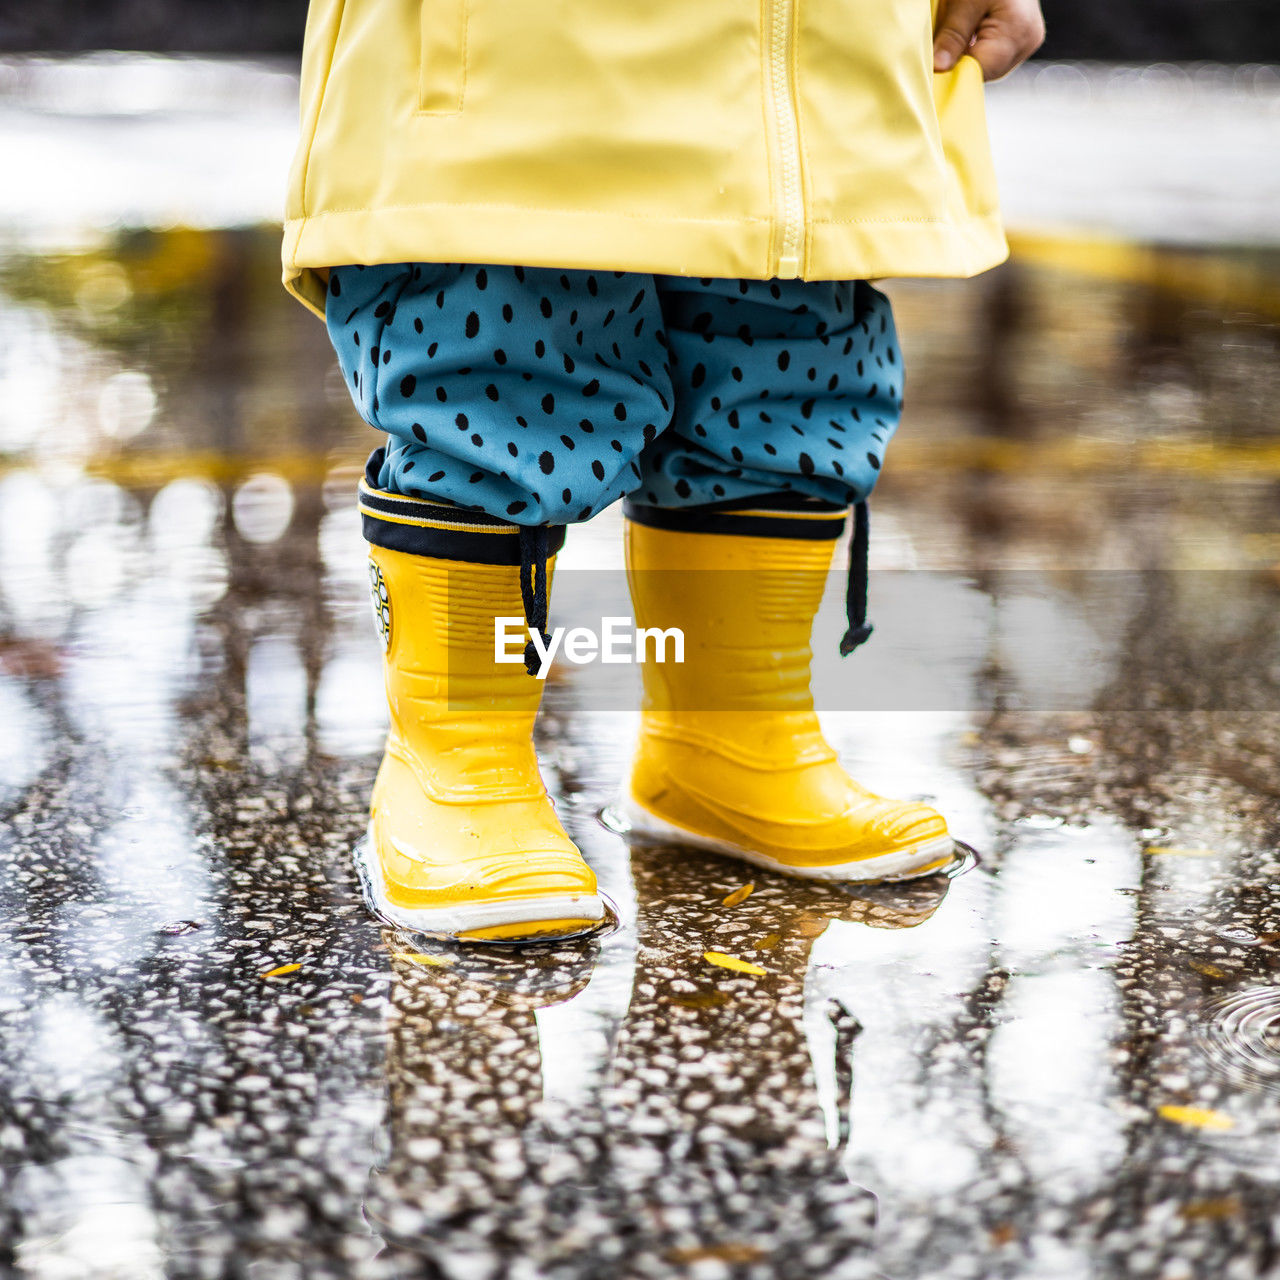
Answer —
463 839
731 756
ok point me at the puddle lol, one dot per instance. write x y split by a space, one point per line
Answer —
962 1075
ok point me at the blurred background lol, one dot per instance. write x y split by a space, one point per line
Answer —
1063 1062
1182 30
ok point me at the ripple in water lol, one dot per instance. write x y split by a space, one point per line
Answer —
1240 1035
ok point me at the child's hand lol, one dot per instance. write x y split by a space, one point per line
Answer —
999 33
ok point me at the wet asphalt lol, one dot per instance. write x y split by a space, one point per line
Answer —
1062 1060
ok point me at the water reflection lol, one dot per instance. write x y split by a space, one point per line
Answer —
689 1131
1059 1063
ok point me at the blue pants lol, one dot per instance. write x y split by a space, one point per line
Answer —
541 396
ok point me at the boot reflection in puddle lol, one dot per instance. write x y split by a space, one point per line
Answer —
465 1096
700 1137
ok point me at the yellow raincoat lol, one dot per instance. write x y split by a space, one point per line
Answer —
780 138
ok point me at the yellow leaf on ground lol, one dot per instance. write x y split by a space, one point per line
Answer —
739 895
420 957
1176 851
283 969
1197 1117
731 1253
702 1000
1224 1207
732 962
1209 970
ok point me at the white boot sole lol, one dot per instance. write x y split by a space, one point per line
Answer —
465 917
910 863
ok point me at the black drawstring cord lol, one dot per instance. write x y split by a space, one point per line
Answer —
533 589
855 599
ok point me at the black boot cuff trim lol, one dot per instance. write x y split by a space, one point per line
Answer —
421 527
785 515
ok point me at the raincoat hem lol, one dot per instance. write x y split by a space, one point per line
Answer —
595 240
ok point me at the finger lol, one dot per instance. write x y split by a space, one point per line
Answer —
957 21
996 52
1001 46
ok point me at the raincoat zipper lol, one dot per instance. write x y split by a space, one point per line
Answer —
786 128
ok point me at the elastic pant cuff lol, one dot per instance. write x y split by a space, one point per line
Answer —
428 527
